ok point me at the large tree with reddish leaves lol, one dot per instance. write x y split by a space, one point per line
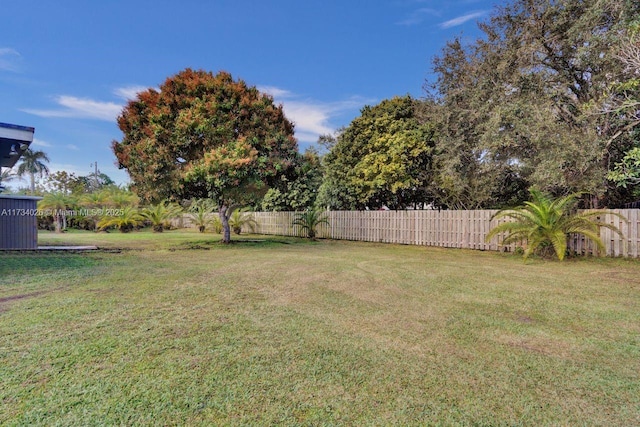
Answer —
205 136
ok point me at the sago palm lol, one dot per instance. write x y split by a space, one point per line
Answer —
119 198
309 222
94 203
124 219
159 215
241 218
202 214
549 222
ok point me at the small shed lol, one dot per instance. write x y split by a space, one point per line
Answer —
18 214
18 222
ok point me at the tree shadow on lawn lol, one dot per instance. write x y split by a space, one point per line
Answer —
207 244
37 261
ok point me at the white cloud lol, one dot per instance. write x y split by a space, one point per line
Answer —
72 147
84 108
40 143
129 92
312 118
8 58
8 51
275 91
462 19
309 118
418 16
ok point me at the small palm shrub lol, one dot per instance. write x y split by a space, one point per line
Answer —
202 214
118 198
93 203
160 215
309 222
546 224
216 224
124 219
239 218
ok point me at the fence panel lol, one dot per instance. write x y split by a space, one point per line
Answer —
447 228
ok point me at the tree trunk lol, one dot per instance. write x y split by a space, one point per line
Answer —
33 183
225 213
58 222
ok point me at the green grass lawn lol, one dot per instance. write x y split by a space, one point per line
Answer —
178 329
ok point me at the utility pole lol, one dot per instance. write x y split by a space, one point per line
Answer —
95 174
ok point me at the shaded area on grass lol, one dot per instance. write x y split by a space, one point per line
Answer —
34 261
168 240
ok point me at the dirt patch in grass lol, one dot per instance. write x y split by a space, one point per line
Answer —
21 296
6 301
541 345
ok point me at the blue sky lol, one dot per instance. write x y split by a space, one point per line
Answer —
67 67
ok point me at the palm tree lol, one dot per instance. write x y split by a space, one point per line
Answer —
119 198
239 218
545 223
202 214
309 221
32 163
216 224
160 214
124 220
5 176
94 203
59 204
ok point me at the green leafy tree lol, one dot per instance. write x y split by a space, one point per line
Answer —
623 102
65 182
93 182
205 136
527 104
309 221
627 172
383 158
299 193
545 222
33 164
160 215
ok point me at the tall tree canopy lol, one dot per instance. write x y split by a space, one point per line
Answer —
383 158
530 103
205 136
299 193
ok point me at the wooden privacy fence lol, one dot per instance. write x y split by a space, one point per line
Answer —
446 228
